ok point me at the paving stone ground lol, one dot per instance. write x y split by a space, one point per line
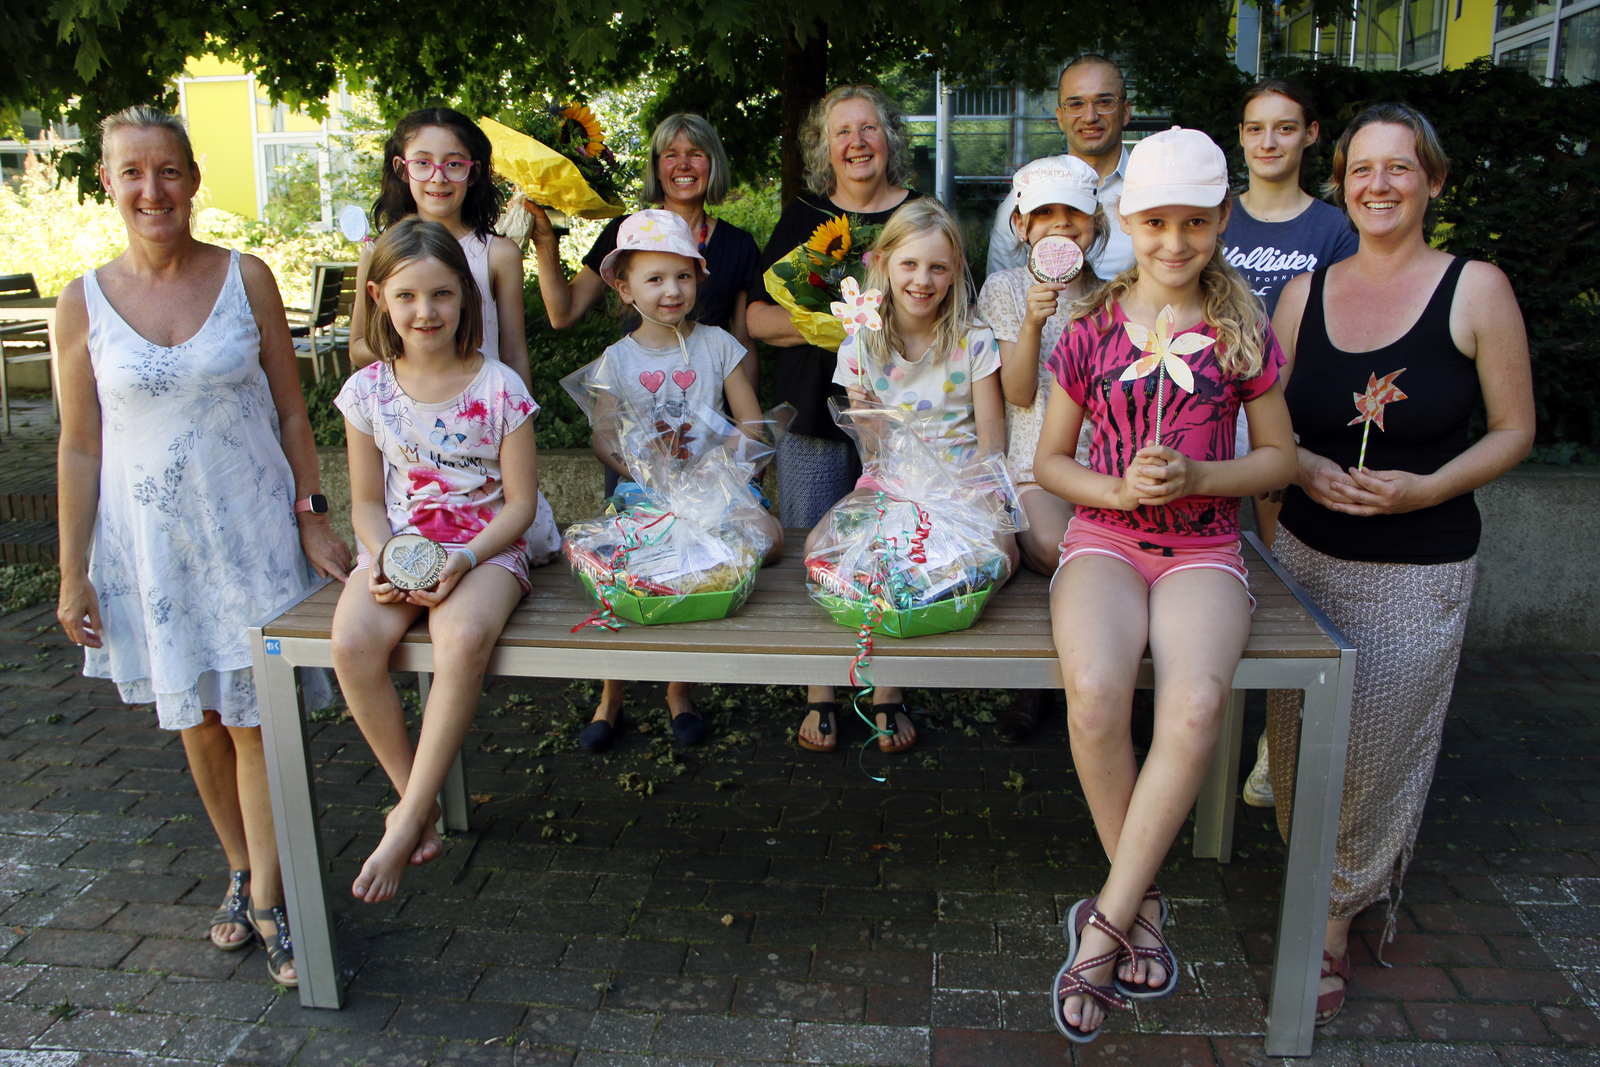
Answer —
752 904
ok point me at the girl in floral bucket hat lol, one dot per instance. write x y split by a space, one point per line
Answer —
666 373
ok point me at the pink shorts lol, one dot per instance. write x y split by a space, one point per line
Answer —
1153 562
511 559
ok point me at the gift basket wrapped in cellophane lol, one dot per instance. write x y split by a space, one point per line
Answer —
919 555
683 540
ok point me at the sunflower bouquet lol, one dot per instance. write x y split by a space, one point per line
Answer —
556 155
810 279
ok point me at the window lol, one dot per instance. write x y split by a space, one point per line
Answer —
1519 11
1528 35
1578 60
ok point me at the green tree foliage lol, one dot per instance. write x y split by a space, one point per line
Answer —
1523 193
82 59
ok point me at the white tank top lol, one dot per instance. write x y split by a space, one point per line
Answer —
477 250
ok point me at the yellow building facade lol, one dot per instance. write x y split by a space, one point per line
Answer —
1554 40
251 150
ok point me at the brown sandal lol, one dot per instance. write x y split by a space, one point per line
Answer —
1329 1005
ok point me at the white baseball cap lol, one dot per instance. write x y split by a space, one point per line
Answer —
1056 180
1174 167
652 230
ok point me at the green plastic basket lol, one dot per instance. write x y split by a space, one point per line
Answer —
940 617
693 607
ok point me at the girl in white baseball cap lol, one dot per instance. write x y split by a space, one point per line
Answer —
1159 362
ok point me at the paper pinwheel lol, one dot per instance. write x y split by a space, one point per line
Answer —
1164 356
1380 391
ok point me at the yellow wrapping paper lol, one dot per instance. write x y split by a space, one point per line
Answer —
819 328
544 175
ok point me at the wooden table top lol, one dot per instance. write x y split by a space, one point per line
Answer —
780 617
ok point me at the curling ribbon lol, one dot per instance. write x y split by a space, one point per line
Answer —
631 529
861 665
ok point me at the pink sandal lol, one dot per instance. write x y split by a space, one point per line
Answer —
1160 953
1333 1003
1069 979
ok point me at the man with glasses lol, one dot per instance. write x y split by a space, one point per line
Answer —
1092 111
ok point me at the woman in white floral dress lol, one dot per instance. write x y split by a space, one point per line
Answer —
187 463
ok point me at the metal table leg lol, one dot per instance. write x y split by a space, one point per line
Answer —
294 815
1308 873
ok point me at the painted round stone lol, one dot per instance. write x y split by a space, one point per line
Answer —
411 561
1054 258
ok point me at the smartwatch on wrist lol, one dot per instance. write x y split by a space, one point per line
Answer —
316 503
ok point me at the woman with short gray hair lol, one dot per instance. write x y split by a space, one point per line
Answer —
858 159
688 171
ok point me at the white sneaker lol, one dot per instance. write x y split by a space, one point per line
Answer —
1258 787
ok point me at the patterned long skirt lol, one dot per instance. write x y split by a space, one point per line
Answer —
813 473
1406 623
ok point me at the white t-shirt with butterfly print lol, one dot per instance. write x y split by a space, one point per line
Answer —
441 473
660 389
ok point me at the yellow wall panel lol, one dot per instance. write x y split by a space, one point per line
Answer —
219 126
1470 36
212 67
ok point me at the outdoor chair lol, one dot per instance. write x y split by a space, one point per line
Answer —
313 328
22 341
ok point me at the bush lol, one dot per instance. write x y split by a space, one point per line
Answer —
1523 193
22 585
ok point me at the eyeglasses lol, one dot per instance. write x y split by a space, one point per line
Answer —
454 170
1104 104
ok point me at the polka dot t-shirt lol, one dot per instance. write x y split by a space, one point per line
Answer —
939 388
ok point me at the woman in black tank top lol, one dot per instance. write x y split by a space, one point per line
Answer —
1390 351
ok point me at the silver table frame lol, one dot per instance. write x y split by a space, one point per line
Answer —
1319 783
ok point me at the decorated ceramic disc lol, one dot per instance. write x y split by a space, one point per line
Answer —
1055 259
353 223
411 561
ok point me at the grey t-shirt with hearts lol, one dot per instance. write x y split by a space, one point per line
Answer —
658 388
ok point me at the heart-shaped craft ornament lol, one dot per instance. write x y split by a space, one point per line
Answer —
411 561
1054 258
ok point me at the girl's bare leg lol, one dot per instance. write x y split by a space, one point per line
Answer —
1199 623
365 632
1040 543
464 630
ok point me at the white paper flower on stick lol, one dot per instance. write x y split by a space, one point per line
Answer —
857 309
1165 353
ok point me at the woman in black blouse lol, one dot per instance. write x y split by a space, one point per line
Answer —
1390 352
858 159
688 170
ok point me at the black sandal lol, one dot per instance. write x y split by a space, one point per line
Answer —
827 725
280 950
235 910
889 733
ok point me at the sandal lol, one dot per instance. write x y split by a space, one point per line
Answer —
234 911
1069 979
280 951
1160 953
1329 1005
889 734
827 713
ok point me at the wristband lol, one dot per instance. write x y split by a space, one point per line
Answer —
471 555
